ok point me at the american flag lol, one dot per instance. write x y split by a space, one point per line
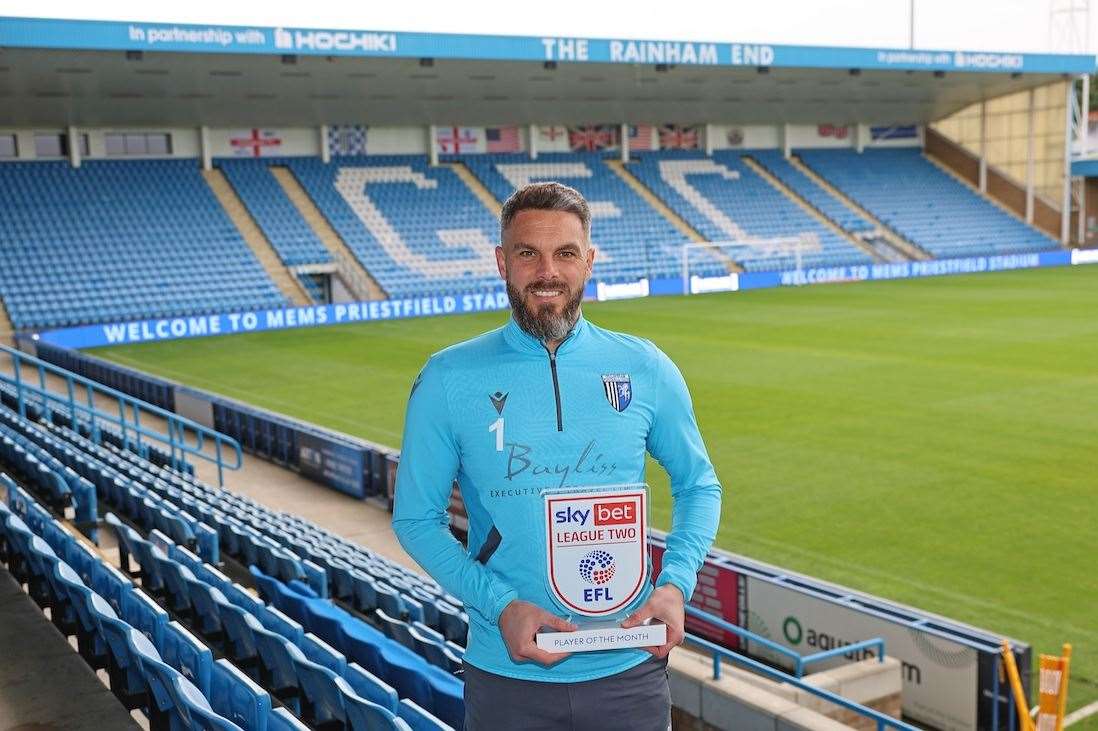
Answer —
502 139
453 139
640 137
254 142
676 137
591 138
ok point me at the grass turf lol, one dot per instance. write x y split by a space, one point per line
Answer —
929 441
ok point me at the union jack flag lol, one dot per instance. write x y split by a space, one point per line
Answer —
676 137
591 138
640 137
839 132
502 139
453 139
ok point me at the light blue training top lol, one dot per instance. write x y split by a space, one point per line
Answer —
560 428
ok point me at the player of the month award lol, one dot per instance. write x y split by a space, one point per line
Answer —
597 565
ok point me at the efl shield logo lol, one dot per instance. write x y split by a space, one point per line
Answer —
619 391
596 559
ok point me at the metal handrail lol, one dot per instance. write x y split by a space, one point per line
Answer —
800 662
183 435
723 653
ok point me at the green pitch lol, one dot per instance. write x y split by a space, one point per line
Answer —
930 441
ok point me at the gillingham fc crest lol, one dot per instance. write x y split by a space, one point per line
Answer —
618 389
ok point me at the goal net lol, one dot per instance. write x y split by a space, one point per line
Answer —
707 267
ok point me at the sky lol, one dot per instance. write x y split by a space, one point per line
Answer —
978 25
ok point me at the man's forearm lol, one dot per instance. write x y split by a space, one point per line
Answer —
694 521
430 543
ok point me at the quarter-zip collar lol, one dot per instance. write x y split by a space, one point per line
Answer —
523 341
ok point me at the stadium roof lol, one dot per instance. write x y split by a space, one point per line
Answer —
89 73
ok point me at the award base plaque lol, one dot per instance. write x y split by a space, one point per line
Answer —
603 636
597 566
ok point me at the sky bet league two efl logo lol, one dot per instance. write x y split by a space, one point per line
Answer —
596 541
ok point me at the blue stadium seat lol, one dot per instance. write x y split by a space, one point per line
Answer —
237 698
419 719
240 641
126 679
144 614
277 667
396 629
184 652
371 687
320 652
90 643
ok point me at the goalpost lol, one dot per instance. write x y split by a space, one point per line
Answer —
797 245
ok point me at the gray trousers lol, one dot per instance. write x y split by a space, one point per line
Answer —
637 699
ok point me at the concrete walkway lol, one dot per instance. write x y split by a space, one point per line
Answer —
44 684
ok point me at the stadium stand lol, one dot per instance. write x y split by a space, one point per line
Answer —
842 215
114 241
380 658
633 239
727 201
907 192
415 228
283 226
295 243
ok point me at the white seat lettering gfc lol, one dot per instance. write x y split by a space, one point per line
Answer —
351 182
674 173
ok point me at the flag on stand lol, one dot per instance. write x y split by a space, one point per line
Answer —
677 137
255 142
455 140
591 138
347 139
640 137
502 139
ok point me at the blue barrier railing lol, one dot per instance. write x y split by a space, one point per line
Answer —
800 662
721 654
183 436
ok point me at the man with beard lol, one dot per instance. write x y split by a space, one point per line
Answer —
549 399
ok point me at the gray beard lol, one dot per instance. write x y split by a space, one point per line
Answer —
546 325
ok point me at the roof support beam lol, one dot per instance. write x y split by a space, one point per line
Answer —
74 146
204 147
983 147
1065 204
1029 157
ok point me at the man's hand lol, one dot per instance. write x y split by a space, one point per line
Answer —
519 624
665 603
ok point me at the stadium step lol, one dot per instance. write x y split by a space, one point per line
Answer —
666 211
6 328
473 183
358 281
810 209
256 240
895 240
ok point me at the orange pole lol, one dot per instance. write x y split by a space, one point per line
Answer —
1016 686
1064 687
